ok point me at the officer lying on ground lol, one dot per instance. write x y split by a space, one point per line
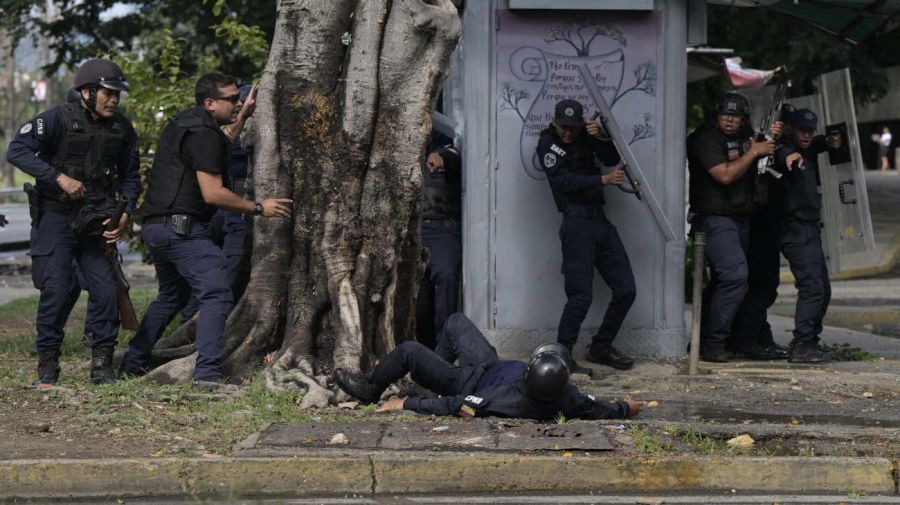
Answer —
481 385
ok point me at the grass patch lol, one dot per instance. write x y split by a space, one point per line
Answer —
18 316
702 444
650 443
846 352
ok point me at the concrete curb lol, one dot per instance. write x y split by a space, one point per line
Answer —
889 259
416 472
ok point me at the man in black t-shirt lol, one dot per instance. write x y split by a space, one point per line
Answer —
722 161
185 186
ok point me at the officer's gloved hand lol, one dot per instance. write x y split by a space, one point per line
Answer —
3 221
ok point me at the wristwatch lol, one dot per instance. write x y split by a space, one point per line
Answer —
257 209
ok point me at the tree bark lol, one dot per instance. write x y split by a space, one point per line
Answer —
342 121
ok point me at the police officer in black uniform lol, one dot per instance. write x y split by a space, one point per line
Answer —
441 235
187 182
82 156
229 229
481 385
797 205
722 163
569 151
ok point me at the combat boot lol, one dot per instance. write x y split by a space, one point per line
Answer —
48 369
810 352
357 385
101 366
605 354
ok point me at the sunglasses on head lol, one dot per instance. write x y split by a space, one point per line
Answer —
230 98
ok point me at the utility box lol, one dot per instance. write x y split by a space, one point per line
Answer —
512 66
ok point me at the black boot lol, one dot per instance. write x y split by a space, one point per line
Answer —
101 366
810 352
576 368
715 354
357 385
48 368
757 352
608 355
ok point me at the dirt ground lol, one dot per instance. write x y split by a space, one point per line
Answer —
845 408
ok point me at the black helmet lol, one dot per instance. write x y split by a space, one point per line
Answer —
103 73
547 373
733 104
555 347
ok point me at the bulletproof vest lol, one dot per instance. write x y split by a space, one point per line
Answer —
89 151
796 194
580 155
708 196
167 174
441 195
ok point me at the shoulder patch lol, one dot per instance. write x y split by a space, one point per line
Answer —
474 399
466 412
26 128
549 160
558 150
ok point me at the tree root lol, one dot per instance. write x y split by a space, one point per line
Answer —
284 375
173 372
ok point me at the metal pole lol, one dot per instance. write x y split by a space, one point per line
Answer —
697 302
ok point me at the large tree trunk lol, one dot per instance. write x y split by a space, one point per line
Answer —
341 130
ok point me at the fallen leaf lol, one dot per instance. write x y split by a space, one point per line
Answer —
158 454
567 454
652 403
741 441
795 421
339 439
867 394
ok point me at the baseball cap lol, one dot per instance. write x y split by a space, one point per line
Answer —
569 113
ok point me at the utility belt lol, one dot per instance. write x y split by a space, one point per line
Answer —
180 223
583 212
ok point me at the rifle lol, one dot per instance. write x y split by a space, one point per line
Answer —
126 309
634 187
767 164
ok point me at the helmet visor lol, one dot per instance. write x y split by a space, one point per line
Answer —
114 84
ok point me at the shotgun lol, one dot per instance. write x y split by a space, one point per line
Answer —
126 309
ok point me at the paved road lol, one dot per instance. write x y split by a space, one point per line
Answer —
18 231
539 499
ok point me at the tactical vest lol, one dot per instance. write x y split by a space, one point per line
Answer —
441 195
88 151
581 158
165 184
708 196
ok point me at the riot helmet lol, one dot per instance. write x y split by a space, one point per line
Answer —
733 104
99 73
547 373
103 73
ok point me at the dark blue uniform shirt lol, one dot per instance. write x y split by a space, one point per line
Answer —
37 139
505 397
796 195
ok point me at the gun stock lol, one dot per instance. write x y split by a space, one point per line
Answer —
127 316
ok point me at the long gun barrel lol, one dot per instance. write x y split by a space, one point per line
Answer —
767 164
127 315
